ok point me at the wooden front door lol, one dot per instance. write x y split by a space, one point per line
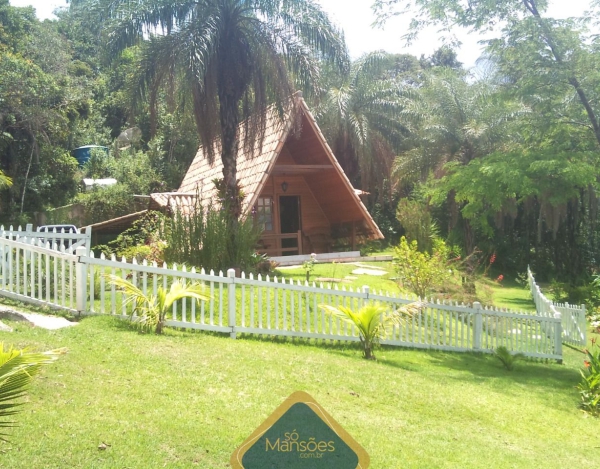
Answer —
290 222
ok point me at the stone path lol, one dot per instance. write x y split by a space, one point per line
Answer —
35 319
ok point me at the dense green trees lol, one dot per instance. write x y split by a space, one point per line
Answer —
233 57
501 160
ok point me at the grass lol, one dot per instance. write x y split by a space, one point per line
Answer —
513 296
345 276
189 399
507 294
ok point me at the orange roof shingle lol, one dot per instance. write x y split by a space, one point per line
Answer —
254 167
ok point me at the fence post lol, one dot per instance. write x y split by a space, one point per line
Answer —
231 301
477 326
80 280
366 291
558 336
88 239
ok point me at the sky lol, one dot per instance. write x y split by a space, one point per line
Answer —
355 18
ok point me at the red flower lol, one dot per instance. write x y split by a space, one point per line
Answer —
586 363
493 258
500 278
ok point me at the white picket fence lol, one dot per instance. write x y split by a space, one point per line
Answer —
38 272
574 324
265 306
59 239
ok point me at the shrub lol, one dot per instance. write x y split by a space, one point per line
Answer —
152 309
141 241
309 265
589 387
588 293
415 218
372 321
421 272
506 358
106 203
209 238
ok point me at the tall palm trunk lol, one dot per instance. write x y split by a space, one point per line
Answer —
229 151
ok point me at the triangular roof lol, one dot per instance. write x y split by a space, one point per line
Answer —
254 168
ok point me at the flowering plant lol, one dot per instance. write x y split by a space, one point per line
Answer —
589 387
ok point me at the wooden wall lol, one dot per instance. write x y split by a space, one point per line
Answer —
313 219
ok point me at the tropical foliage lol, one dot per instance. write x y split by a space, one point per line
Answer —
232 56
507 359
372 321
421 272
500 159
149 311
206 239
17 370
360 115
589 386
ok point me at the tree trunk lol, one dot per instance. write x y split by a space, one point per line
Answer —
559 58
33 144
229 150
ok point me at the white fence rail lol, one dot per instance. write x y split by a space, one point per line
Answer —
58 239
277 307
574 325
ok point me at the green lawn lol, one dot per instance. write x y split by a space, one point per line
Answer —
512 296
507 294
189 399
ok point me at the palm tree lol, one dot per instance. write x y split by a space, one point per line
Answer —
235 57
372 321
152 309
361 117
17 370
455 121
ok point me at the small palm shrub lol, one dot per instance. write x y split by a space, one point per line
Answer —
589 386
152 309
506 358
372 321
17 370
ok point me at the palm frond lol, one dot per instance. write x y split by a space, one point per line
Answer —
17 370
179 290
372 320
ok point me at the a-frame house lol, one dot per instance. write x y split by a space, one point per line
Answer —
293 185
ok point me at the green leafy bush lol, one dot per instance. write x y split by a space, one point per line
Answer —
309 265
587 293
589 386
106 203
141 241
209 238
421 272
417 222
